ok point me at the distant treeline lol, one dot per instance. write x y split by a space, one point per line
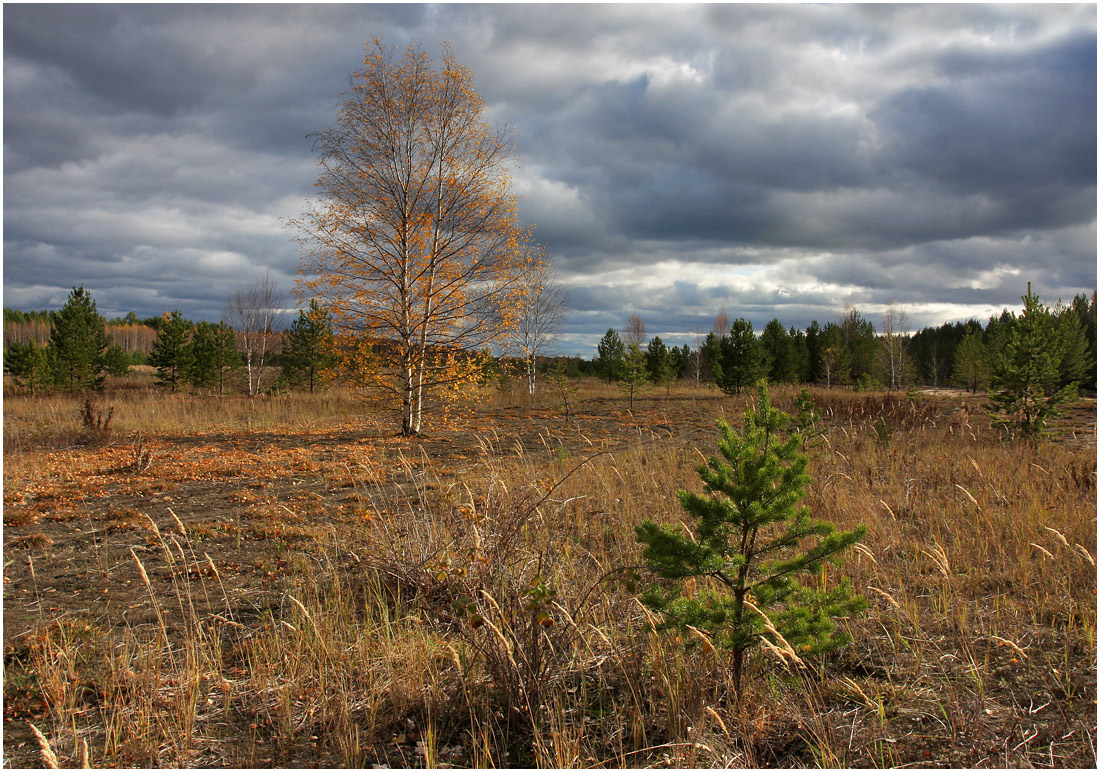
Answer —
133 335
74 349
130 333
847 351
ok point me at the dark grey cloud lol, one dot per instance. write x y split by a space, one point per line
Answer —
772 160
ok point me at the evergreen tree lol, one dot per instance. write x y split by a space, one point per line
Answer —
807 421
659 365
28 365
996 334
801 355
211 350
1027 373
933 349
610 355
227 354
78 342
116 362
859 340
710 355
1077 362
310 354
1085 308
835 362
633 375
683 361
814 369
971 365
740 358
746 551
202 367
780 353
171 353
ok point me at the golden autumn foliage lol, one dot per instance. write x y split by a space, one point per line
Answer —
412 244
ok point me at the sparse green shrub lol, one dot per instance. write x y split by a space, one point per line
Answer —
746 550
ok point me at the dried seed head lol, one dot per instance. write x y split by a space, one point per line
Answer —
49 758
179 523
141 568
1043 550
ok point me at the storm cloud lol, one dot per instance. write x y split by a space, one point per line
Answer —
774 161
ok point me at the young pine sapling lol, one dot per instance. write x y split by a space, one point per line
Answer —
747 551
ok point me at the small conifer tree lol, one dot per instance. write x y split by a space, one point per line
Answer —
740 359
171 353
660 364
211 350
1026 375
28 365
971 362
747 550
78 343
611 353
633 375
310 355
116 361
807 421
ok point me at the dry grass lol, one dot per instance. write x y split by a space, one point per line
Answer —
469 604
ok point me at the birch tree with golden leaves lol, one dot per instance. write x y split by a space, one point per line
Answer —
412 244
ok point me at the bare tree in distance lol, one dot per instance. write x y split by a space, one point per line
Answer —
541 305
697 363
721 324
634 331
894 332
254 311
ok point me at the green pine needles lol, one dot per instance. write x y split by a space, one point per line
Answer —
747 553
1027 377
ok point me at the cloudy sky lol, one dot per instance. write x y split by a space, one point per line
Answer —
775 160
